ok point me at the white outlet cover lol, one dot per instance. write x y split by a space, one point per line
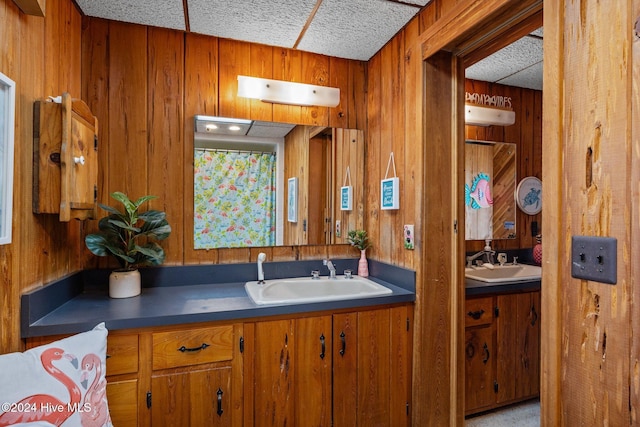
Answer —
409 237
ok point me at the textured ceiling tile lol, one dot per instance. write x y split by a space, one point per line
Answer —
355 29
165 13
530 78
517 56
274 23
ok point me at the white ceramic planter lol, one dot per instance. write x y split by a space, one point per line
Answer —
124 284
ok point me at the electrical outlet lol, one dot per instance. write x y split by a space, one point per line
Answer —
338 228
594 258
408 237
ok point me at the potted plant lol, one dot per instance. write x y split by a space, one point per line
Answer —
360 240
131 238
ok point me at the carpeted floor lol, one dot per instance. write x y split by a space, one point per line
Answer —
525 414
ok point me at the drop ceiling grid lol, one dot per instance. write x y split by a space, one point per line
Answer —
274 23
355 29
165 13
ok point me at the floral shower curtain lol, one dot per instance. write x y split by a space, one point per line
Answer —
234 199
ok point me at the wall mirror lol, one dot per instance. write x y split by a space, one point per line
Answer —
242 175
489 189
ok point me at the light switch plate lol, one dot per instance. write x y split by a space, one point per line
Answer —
409 237
594 258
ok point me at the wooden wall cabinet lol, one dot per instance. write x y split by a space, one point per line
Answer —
347 369
502 350
65 159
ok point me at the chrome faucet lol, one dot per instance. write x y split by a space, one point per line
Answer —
487 252
330 266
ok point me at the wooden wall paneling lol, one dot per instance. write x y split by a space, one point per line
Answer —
166 130
261 66
387 218
596 316
15 63
399 142
234 59
634 247
373 156
357 110
296 150
315 70
128 134
95 92
287 65
339 76
553 212
437 296
201 89
413 146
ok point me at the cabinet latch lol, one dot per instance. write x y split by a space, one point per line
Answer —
241 344
495 386
496 311
148 400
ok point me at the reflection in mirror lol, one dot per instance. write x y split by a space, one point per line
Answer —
241 168
490 183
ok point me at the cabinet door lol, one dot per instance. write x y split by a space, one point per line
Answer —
313 371
479 368
345 363
123 402
193 398
518 336
273 373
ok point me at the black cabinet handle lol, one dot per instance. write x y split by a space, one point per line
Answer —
485 348
475 315
322 346
148 400
219 411
184 349
344 343
534 315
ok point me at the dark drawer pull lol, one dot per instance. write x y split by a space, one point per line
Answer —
344 343
219 394
187 349
475 315
485 348
322 346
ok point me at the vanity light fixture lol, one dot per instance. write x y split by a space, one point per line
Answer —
480 115
283 92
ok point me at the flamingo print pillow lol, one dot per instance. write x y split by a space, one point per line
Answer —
58 384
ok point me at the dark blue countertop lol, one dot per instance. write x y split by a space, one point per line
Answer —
477 288
187 294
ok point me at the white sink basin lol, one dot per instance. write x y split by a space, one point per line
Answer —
306 290
505 273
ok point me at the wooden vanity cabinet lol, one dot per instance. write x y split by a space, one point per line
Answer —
350 368
344 369
502 350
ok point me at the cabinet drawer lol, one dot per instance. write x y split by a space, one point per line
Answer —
478 311
122 354
191 347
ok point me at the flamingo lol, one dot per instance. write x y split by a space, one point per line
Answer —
46 407
95 411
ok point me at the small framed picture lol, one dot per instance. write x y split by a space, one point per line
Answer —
390 193
292 200
346 198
